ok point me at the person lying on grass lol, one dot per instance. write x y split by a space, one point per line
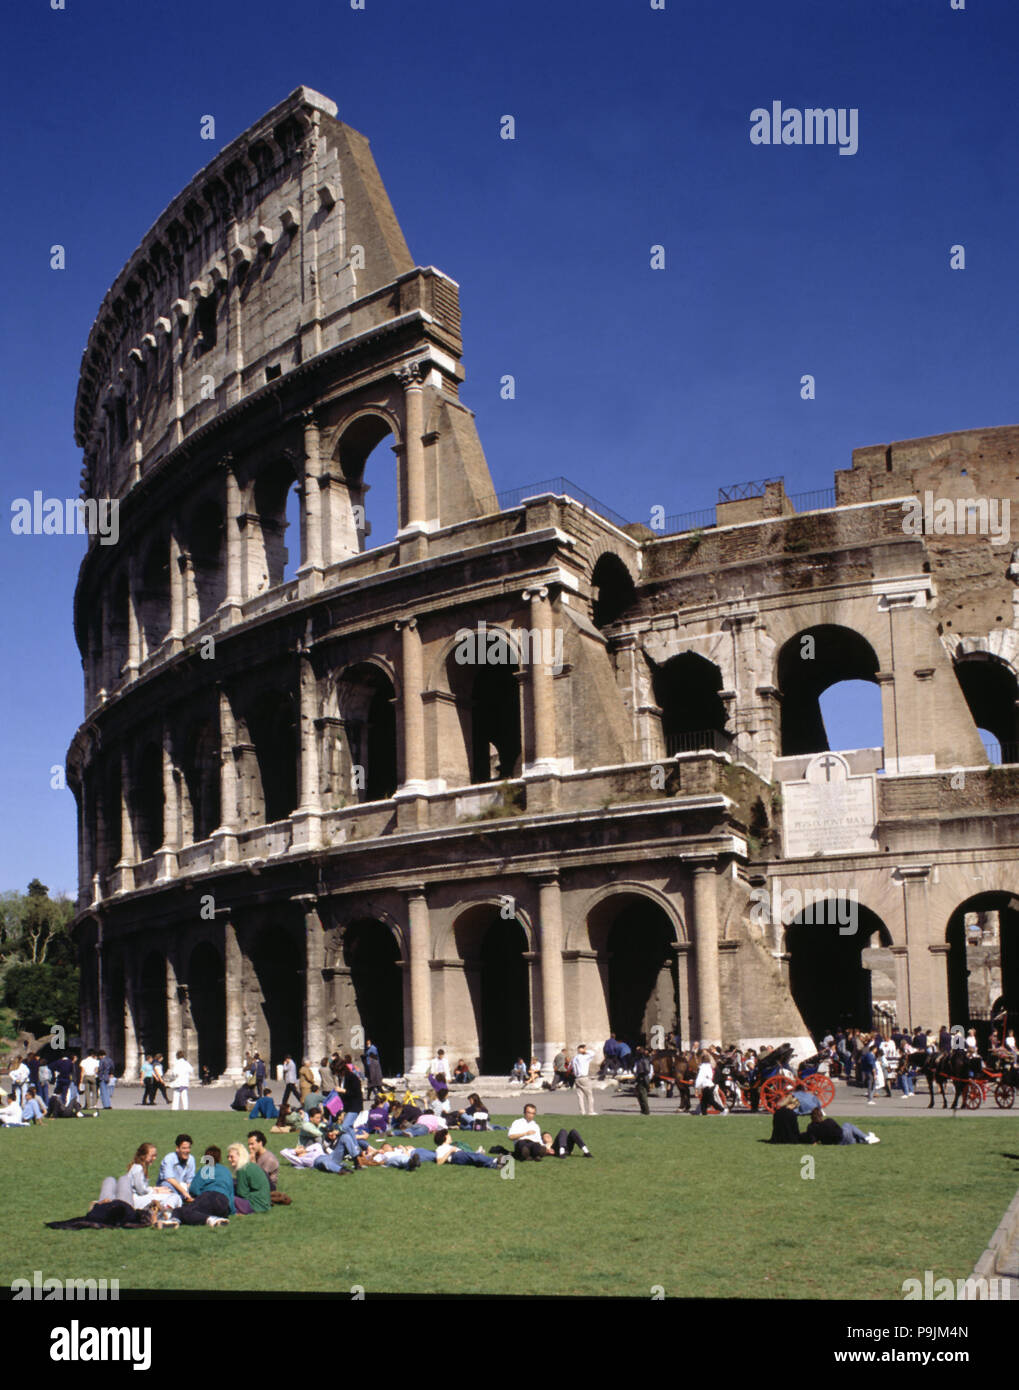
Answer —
448 1152
821 1130
564 1143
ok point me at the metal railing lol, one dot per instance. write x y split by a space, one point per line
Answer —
561 487
707 741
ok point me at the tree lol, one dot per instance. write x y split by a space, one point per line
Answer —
37 959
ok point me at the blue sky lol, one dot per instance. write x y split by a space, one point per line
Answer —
632 129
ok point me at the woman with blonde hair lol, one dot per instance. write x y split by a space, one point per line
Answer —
250 1183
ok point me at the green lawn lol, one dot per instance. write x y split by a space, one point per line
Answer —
699 1207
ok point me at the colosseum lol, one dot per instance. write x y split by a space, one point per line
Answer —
528 772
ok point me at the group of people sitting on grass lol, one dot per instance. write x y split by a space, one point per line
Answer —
344 1145
204 1194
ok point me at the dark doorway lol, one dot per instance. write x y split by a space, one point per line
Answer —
115 1000
372 953
495 724
687 688
504 1031
279 968
962 1006
273 731
829 983
643 982
152 1002
207 995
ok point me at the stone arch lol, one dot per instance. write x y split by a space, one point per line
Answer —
991 690
206 546
206 986
687 688
119 609
634 934
272 728
148 799
200 773
613 588
353 442
808 664
277 961
270 488
486 691
372 952
364 697
496 972
830 982
154 594
972 969
152 1031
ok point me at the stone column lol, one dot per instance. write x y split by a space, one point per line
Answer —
131 1066
553 990
705 922
307 819
174 1021
311 510
178 597
128 850
166 854
543 721
133 626
235 594
314 982
419 1053
682 950
224 837
233 963
412 807
414 503
925 1002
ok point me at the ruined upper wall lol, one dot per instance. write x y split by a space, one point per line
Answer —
252 269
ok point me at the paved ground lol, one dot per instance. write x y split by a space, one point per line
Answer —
505 1099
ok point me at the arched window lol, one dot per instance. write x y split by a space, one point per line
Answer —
154 598
148 798
614 590
367 708
367 465
273 731
991 692
810 664
277 503
206 545
486 688
687 688
200 766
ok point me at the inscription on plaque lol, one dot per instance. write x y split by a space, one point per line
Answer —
830 811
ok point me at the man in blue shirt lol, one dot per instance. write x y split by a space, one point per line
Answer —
806 1101
177 1169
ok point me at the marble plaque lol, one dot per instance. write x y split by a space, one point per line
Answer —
830 811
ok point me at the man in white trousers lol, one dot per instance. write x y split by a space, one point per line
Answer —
580 1066
180 1081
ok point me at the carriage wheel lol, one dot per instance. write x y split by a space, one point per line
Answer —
773 1090
974 1095
823 1088
1004 1095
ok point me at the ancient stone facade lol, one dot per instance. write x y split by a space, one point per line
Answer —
309 806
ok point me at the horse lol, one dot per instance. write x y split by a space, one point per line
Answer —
676 1069
957 1066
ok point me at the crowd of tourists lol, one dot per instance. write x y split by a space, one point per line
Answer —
71 1088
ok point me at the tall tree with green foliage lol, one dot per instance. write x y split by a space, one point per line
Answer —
37 959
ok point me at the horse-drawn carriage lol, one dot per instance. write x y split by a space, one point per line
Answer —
772 1080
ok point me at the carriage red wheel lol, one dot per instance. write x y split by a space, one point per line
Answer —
822 1087
1004 1095
974 1095
773 1090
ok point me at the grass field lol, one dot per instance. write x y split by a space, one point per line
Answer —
699 1207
